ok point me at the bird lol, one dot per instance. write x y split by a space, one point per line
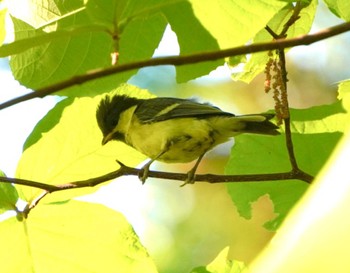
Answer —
173 130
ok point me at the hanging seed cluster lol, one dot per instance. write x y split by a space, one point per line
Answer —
274 80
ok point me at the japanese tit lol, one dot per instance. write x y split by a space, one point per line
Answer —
173 130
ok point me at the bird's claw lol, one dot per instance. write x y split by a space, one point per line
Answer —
143 175
191 178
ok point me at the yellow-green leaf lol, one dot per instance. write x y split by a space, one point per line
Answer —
70 149
72 237
221 265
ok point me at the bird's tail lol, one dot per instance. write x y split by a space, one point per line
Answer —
258 124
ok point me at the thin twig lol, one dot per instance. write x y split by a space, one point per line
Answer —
125 170
288 133
293 18
272 33
284 94
182 60
29 183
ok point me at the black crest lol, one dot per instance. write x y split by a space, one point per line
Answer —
109 110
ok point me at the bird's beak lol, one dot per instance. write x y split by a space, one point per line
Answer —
107 138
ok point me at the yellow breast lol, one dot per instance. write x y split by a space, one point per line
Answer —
174 140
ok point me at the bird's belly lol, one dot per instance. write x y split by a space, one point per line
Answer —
173 141
186 148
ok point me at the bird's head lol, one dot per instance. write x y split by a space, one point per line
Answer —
109 113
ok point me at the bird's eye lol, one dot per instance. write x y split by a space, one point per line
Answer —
113 118
111 122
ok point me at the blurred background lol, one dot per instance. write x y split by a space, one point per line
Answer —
196 221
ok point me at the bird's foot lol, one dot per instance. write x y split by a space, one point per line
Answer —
143 174
191 178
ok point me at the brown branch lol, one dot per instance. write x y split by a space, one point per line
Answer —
294 17
125 170
29 183
284 95
283 87
183 60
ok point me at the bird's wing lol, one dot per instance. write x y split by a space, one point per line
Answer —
160 109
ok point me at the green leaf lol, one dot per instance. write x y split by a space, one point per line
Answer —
234 23
330 118
316 221
219 25
69 46
257 61
107 12
3 13
221 265
8 196
46 13
315 134
15 257
71 149
62 50
306 2
141 37
137 25
184 23
51 119
67 53
117 14
42 38
344 94
70 238
258 154
340 8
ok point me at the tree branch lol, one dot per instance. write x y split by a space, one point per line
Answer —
30 183
183 60
283 86
125 170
